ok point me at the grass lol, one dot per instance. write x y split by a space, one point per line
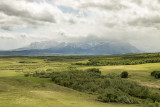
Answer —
19 91
136 72
37 92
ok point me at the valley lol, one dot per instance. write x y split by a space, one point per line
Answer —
16 90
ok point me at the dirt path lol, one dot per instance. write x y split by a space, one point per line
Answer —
153 85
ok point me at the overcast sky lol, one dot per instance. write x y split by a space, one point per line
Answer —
25 21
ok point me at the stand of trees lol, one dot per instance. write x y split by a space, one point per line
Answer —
108 88
125 60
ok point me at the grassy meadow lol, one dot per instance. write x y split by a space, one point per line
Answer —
19 91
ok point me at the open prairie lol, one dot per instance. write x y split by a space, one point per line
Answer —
16 90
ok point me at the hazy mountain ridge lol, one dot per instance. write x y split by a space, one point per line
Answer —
92 47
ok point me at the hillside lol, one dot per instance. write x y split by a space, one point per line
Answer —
79 48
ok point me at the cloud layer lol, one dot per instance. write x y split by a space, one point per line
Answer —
26 21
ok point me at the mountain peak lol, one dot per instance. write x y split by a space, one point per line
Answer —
91 47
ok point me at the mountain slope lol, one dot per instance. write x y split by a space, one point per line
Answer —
92 47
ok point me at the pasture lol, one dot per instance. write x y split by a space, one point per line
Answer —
19 91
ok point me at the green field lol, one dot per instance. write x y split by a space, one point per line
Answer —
19 91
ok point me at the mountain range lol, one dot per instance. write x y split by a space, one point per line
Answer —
74 48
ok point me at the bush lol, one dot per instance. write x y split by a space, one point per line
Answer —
124 74
42 75
117 97
110 88
155 97
49 70
27 75
156 74
94 70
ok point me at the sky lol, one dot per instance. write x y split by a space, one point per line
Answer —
134 21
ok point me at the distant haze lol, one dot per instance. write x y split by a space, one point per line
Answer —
136 22
91 46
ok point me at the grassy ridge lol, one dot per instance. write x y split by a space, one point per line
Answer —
125 60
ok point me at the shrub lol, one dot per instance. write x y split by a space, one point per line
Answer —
139 91
49 70
115 88
155 97
124 74
94 70
156 74
27 75
110 87
42 74
22 61
117 97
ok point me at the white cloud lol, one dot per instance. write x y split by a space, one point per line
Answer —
129 20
